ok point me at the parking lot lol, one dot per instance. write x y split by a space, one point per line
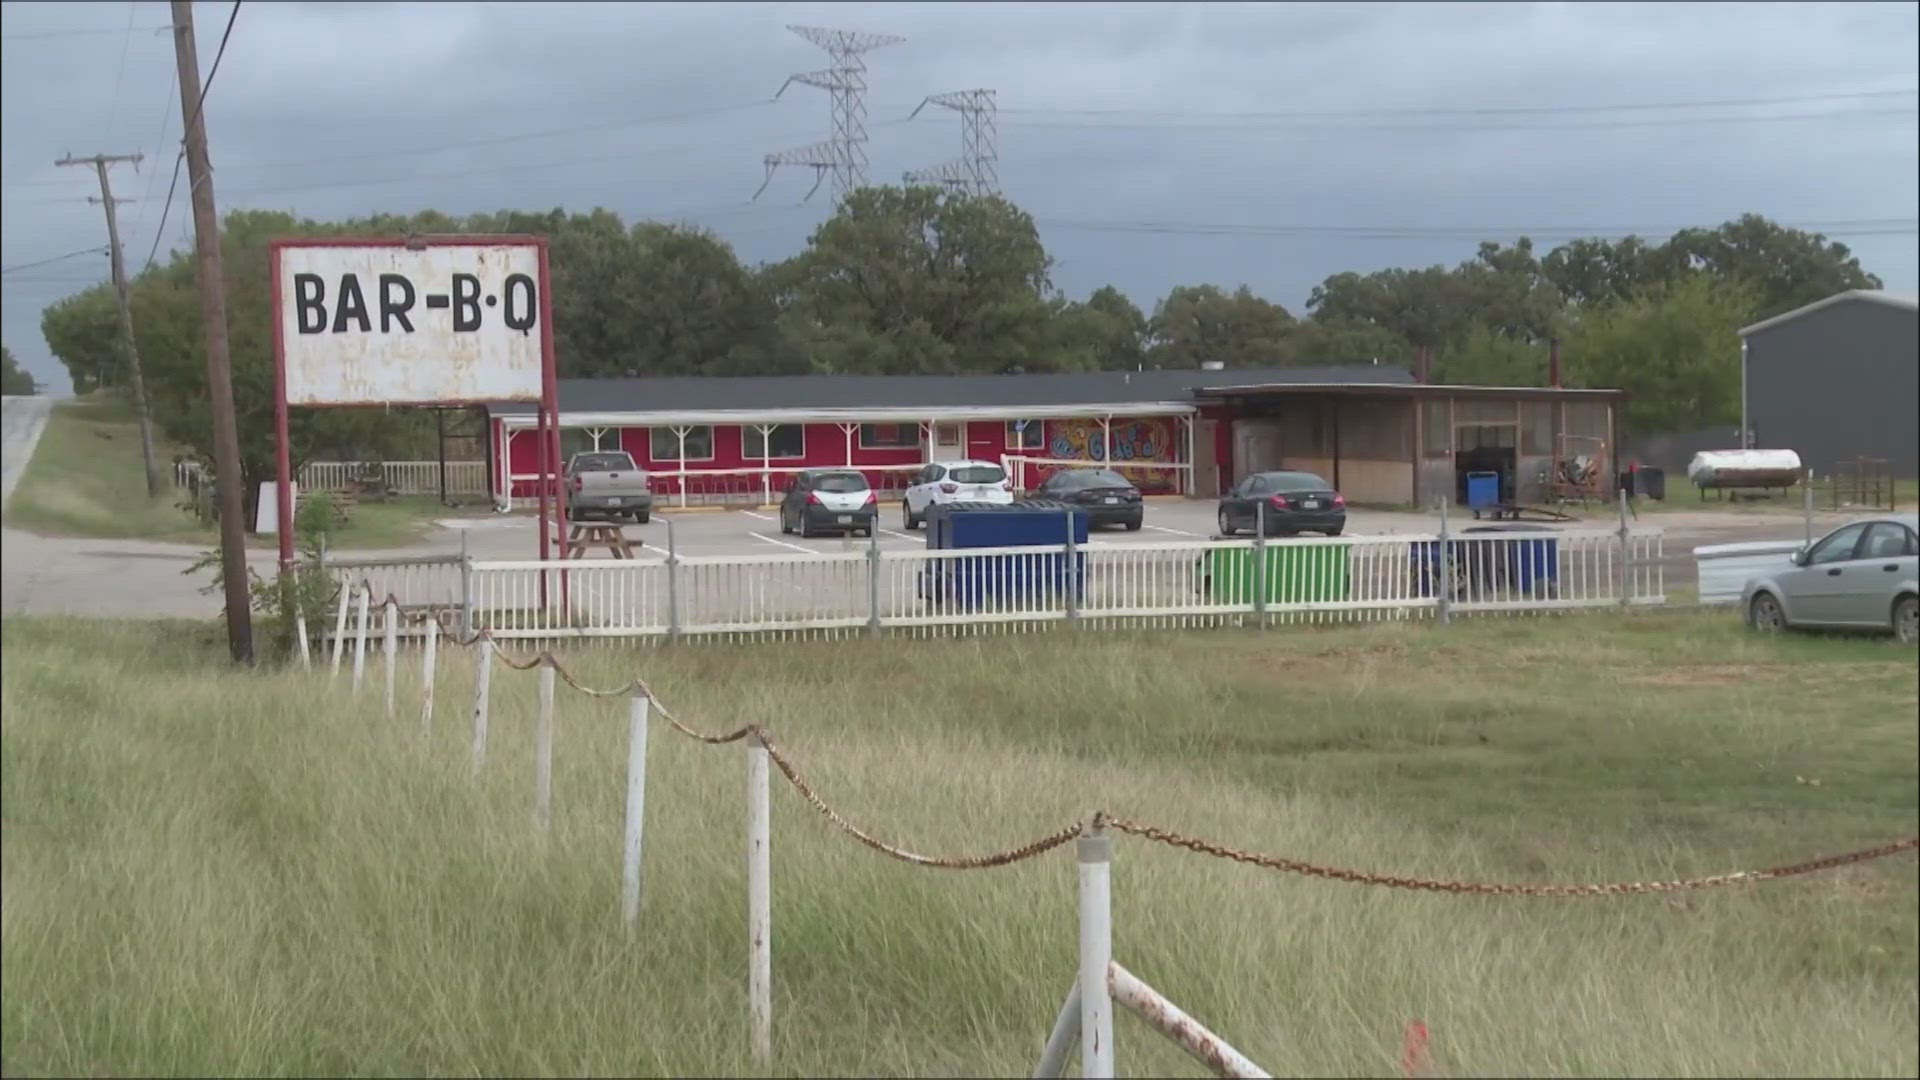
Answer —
757 532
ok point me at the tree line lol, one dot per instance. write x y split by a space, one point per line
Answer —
922 280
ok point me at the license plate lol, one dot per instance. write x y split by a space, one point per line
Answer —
1110 500
846 519
1309 504
613 502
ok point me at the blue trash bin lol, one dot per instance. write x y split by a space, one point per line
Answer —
1483 490
1507 569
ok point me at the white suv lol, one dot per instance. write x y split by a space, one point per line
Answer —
944 482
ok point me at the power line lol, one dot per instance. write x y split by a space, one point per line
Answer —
1543 110
1245 130
1853 228
54 259
120 76
38 35
199 103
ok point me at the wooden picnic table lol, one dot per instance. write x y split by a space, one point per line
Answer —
582 535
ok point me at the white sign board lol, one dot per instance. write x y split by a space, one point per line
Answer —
381 324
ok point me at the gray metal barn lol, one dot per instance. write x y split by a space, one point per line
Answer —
1836 381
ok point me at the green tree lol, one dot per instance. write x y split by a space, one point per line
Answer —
1199 323
1673 347
1786 268
1483 356
14 379
1593 271
83 333
1422 307
919 279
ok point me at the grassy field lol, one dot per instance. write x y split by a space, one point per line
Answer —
213 873
85 481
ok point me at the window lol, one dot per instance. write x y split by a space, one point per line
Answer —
664 443
1836 548
1077 479
575 440
978 474
840 483
1885 540
1026 435
890 436
779 441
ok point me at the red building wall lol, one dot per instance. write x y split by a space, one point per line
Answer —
1136 440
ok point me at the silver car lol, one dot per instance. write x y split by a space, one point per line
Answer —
1857 577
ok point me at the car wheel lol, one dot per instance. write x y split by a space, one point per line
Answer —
1334 532
908 521
643 517
1906 620
786 526
1226 524
1134 525
1765 615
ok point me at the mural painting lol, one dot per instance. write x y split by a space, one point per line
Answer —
1136 443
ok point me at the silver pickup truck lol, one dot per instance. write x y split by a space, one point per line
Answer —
607 483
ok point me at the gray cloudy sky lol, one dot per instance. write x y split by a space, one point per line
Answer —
1157 144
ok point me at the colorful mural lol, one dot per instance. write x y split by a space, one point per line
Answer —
1135 444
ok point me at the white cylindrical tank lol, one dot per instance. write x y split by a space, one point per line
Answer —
1744 468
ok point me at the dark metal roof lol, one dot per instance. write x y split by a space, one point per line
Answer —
698 393
1407 390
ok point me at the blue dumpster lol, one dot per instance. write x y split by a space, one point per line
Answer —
1005 578
1493 569
1483 490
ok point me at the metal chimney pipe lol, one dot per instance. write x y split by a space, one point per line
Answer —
1420 360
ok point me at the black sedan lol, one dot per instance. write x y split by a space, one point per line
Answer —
1289 502
1107 497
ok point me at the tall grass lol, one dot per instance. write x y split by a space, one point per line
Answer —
218 873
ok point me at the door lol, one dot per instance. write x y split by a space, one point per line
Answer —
1886 558
949 441
921 493
1815 591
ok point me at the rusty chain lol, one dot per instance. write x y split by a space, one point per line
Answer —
957 862
1044 844
1617 888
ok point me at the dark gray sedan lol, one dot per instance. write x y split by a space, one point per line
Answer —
1857 577
1288 503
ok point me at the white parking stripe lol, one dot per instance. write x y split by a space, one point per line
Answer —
751 514
902 536
784 544
1176 532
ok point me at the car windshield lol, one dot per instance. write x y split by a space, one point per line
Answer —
840 483
1091 478
602 462
1295 481
977 474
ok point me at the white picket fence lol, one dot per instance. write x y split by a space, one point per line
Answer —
1174 584
400 477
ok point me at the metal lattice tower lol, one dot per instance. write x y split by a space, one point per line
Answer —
845 154
976 170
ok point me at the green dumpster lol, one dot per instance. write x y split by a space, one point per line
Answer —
1295 573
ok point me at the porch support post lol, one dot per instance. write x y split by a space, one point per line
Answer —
680 437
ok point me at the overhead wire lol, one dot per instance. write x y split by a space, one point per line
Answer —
53 259
199 103
120 76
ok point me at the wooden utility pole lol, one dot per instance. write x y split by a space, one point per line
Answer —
100 163
213 316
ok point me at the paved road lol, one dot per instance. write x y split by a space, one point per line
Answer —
21 421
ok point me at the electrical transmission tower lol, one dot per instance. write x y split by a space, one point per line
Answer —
844 155
976 170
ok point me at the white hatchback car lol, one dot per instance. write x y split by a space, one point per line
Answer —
943 482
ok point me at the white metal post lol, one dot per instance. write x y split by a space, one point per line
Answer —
543 752
300 636
1096 954
1806 500
1260 561
466 587
1443 567
340 628
680 436
390 647
1626 562
360 639
673 577
759 903
482 681
637 709
873 575
428 658
1063 1038
1067 573
1185 1032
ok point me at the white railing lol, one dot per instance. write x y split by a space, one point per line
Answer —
400 477
1177 584
1028 472
419 584
754 486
